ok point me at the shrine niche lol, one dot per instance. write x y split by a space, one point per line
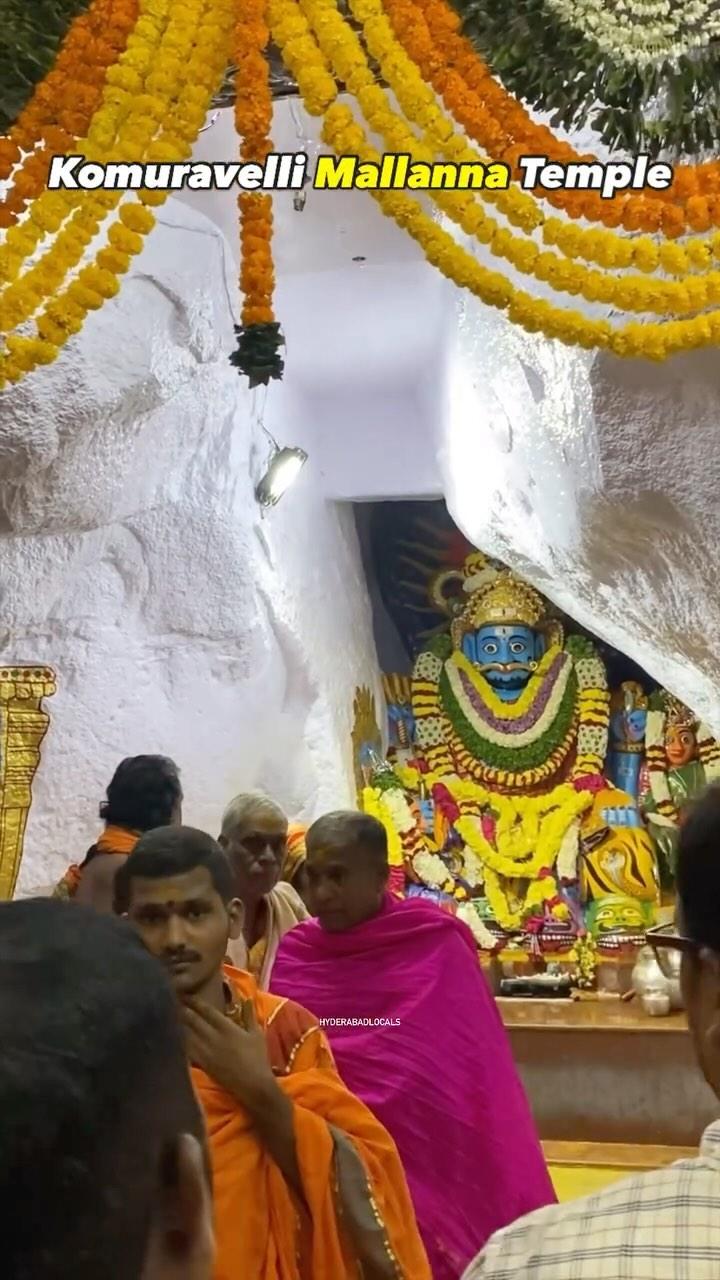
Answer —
23 725
527 794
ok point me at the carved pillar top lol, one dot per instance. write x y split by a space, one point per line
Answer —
21 684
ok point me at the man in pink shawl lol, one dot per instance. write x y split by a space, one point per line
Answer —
417 1036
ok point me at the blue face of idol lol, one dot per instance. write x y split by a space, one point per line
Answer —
506 655
629 726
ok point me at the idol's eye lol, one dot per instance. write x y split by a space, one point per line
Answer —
517 646
490 647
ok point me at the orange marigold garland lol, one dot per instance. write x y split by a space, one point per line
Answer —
259 336
499 122
63 103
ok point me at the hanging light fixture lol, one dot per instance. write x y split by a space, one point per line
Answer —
281 471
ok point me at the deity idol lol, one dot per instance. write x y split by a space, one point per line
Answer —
682 757
628 720
511 731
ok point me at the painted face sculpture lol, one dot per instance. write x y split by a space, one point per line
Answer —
618 914
506 654
680 745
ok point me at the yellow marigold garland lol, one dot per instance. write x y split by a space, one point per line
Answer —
605 248
258 336
184 56
504 126
529 832
343 134
341 131
63 103
343 49
375 803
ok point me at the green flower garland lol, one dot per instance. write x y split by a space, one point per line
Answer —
557 68
31 32
512 759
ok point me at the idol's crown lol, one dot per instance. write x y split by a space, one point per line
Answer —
678 715
505 600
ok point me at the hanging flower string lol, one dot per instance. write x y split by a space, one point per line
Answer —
259 339
153 105
150 68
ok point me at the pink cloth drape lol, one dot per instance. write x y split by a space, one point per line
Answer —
439 1073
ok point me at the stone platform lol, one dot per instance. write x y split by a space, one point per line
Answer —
605 1072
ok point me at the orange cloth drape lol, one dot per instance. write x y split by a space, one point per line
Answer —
262 1231
295 853
113 840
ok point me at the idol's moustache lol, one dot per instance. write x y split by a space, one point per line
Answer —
505 667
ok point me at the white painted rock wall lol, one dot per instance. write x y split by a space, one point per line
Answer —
134 562
598 479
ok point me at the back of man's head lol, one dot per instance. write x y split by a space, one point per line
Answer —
698 869
98 1123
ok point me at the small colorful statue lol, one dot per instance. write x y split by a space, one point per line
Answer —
628 721
682 757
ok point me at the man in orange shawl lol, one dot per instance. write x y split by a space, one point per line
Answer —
307 1183
144 793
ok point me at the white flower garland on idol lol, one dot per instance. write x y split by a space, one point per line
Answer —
469 916
567 860
642 31
431 869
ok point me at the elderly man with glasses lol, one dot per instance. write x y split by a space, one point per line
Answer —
666 1224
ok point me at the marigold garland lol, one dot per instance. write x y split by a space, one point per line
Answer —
346 137
627 293
30 33
64 102
468 108
653 341
529 833
507 131
392 810
182 50
259 337
134 107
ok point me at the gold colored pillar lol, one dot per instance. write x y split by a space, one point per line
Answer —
366 738
23 725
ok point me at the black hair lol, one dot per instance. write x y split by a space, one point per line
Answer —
698 868
89 1044
172 851
350 827
143 793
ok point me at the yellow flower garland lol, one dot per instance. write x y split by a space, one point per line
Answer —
538 894
605 248
343 49
122 85
508 710
529 833
374 805
341 131
185 59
